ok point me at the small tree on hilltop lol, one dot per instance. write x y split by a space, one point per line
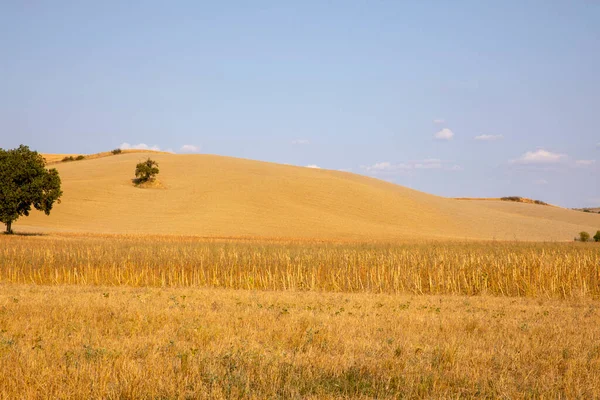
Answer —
25 182
597 237
146 171
584 236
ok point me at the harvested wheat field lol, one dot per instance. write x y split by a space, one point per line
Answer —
206 195
126 343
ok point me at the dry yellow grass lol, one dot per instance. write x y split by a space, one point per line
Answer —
559 270
126 343
209 195
130 316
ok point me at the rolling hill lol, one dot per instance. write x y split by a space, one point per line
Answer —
208 195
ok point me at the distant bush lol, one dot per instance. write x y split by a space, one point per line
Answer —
586 210
584 236
117 151
71 158
519 199
597 237
511 198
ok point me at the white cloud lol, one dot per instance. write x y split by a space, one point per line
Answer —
189 148
444 134
381 166
585 163
489 137
301 142
541 182
439 121
140 146
313 166
540 156
387 167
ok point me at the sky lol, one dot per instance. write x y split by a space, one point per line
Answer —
455 98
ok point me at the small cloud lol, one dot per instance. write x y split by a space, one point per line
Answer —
439 121
189 148
140 146
444 134
541 182
313 166
585 163
540 156
489 138
300 142
170 150
427 164
381 166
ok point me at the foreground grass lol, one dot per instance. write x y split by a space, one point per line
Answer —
120 342
552 270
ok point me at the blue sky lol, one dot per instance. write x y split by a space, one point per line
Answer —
465 98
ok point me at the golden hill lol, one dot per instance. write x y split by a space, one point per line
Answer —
209 195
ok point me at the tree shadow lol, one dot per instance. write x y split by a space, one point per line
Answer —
24 234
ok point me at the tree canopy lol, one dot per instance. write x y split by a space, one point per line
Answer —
25 182
146 171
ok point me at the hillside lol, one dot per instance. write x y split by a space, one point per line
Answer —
211 195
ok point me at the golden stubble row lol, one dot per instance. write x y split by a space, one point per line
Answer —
554 270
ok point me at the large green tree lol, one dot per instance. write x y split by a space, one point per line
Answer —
25 182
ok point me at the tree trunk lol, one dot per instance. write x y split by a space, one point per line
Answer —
9 228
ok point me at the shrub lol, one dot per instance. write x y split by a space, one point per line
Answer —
584 236
68 158
146 171
116 151
597 237
542 203
511 198
586 210
80 158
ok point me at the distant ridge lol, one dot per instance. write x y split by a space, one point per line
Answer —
516 199
58 158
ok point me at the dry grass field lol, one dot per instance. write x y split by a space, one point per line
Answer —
175 343
127 317
207 195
